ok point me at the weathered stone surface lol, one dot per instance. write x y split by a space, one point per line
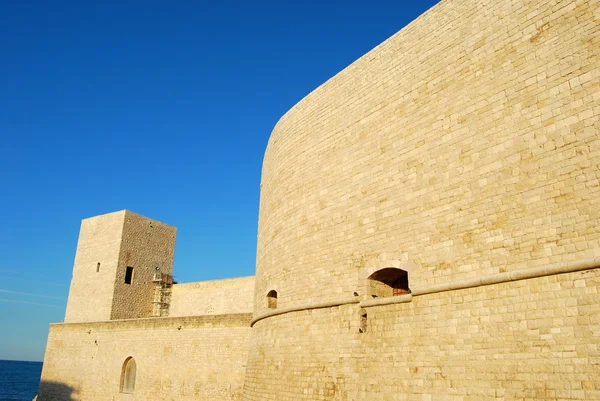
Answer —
465 151
215 297
108 245
184 358
464 146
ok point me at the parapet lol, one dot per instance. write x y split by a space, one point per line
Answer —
215 297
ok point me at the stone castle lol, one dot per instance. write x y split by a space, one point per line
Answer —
428 230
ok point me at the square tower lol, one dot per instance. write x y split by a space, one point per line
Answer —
117 256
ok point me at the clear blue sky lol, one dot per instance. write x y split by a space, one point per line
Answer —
162 108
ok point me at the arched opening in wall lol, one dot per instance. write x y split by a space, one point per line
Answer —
272 299
363 321
98 267
128 376
388 282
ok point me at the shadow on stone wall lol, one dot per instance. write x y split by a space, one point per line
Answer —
53 391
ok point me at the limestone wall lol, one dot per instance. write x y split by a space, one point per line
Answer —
193 358
146 244
533 339
467 144
91 292
108 245
213 297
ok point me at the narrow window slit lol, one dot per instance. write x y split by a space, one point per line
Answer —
363 321
129 275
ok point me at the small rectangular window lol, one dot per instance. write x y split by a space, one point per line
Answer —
129 275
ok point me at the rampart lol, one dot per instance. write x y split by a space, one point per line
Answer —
462 154
464 145
132 333
428 230
184 358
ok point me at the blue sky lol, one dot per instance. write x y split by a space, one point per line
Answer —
162 108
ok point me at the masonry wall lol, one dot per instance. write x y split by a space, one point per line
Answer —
193 358
533 339
464 146
115 241
146 244
467 144
91 292
526 340
213 297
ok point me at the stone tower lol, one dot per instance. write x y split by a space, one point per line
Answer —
117 255
458 153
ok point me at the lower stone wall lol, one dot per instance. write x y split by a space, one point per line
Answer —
193 358
307 355
534 339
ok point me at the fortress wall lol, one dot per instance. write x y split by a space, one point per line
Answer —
193 358
527 340
91 292
306 355
533 339
214 297
146 244
465 145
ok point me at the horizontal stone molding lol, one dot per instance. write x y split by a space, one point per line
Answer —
521 274
400 299
307 306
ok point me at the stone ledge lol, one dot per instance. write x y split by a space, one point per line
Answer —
230 320
308 306
522 274
400 299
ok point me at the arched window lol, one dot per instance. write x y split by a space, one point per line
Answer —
272 299
388 282
128 376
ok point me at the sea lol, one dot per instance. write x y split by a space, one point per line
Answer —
19 380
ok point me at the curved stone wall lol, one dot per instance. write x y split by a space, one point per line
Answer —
466 145
531 339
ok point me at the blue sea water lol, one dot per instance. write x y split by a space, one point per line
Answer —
19 380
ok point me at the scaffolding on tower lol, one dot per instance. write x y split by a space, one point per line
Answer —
162 293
